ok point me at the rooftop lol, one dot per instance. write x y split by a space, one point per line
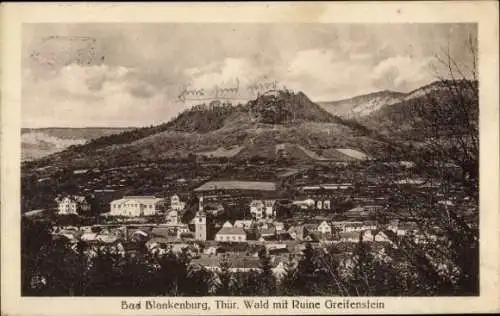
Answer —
237 185
231 231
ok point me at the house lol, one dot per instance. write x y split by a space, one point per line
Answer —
183 229
257 209
176 203
135 206
231 234
324 228
212 250
88 236
245 224
269 208
358 226
172 218
266 232
327 205
375 235
280 226
305 204
260 209
352 236
72 204
319 204
297 232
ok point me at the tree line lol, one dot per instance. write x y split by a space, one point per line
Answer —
55 267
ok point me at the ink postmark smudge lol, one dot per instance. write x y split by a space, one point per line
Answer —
65 50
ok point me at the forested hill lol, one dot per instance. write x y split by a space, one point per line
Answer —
287 117
275 118
280 107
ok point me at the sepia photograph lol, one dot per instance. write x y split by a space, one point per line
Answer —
188 165
249 159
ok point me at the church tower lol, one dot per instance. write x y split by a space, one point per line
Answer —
200 222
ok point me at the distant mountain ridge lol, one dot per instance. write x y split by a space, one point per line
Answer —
365 105
362 105
40 142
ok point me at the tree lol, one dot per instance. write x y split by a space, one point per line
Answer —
172 274
50 266
305 279
246 283
268 280
444 137
287 283
224 275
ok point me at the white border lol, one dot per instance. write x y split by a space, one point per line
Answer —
485 13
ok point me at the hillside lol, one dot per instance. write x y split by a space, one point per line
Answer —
257 127
282 118
363 105
443 107
39 142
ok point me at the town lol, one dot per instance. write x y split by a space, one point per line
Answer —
337 204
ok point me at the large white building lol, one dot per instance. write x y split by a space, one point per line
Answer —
231 234
135 206
72 204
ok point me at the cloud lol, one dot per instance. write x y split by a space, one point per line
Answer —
93 96
403 72
131 74
327 74
225 72
235 79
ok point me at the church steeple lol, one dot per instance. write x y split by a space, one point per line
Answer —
200 204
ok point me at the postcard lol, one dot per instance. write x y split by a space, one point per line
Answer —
250 158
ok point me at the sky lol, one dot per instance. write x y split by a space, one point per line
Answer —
116 74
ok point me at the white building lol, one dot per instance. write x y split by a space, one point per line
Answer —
231 234
280 226
72 204
182 230
135 206
176 203
260 209
245 224
356 226
172 218
305 204
326 205
324 228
